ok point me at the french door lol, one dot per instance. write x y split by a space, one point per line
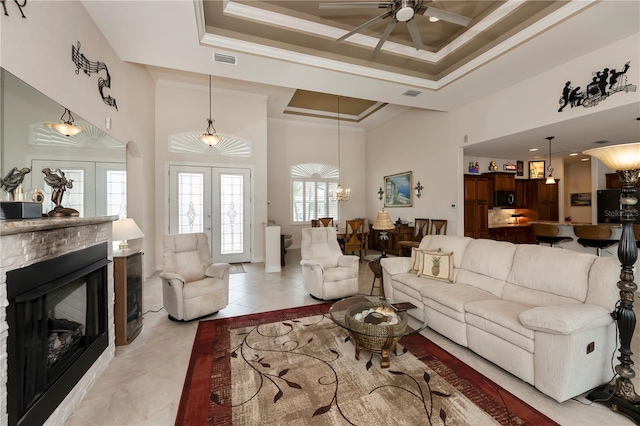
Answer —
216 201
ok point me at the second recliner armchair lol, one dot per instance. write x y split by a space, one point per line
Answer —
327 273
192 285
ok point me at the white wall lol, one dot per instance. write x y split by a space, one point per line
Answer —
420 142
38 51
430 143
578 179
294 142
183 108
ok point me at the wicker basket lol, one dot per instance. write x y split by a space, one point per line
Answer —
372 336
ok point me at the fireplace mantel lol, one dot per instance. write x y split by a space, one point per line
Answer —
9 227
25 242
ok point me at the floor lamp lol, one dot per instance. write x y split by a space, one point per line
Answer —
621 396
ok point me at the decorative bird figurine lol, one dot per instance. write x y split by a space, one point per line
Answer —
13 179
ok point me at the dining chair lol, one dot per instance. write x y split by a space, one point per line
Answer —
354 237
420 229
326 221
438 227
315 223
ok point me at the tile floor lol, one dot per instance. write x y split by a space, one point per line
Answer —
143 383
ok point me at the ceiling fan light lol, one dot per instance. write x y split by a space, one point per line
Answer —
405 13
433 19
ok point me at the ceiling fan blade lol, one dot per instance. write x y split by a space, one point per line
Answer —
415 34
365 25
454 18
385 35
353 5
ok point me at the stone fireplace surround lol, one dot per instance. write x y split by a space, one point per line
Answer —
26 242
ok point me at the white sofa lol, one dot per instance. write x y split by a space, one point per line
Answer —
541 313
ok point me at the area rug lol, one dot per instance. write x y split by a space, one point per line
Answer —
236 268
297 367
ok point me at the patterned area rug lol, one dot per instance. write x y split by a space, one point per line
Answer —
296 367
236 268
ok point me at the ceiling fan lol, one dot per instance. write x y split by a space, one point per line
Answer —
398 11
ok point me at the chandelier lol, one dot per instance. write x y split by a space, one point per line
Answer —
210 137
340 194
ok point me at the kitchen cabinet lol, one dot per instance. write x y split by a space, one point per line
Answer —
513 234
477 196
520 194
548 208
613 181
504 181
400 233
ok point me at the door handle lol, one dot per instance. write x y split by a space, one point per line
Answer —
208 229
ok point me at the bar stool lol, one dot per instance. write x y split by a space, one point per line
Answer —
548 234
596 236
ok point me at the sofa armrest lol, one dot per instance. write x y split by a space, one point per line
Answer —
217 270
349 261
565 319
396 265
171 276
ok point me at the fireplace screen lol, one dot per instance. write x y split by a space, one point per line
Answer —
57 318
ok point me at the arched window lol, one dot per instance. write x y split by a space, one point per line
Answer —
310 187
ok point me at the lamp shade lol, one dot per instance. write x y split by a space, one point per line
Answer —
383 221
126 229
618 157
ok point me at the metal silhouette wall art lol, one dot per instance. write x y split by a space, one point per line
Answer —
82 63
602 85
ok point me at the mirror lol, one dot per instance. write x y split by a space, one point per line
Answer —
95 161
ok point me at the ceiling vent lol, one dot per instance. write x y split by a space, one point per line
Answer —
226 59
412 93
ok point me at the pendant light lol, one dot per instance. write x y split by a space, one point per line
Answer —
341 194
210 137
550 180
67 127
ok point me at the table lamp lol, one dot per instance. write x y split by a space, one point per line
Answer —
383 223
125 229
621 396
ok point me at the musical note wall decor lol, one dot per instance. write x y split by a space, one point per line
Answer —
89 67
20 6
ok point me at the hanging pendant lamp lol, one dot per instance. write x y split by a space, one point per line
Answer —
341 194
210 137
550 180
67 127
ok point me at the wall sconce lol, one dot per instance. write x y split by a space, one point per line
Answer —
418 189
380 193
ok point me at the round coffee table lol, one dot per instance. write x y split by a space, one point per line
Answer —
376 324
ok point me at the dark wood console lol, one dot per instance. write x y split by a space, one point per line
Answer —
127 274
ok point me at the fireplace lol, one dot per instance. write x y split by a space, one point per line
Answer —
58 327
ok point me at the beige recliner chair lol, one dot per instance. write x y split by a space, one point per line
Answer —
192 285
327 273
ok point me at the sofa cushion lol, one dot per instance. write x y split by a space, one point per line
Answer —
449 244
453 296
500 318
412 285
543 276
490 258
565 319
437 265
603 277
338 274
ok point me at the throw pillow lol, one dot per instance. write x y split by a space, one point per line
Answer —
437 265
416 258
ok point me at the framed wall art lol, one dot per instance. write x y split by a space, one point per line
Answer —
398 191
581 199
536 169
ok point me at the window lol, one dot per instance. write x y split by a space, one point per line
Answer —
311 184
